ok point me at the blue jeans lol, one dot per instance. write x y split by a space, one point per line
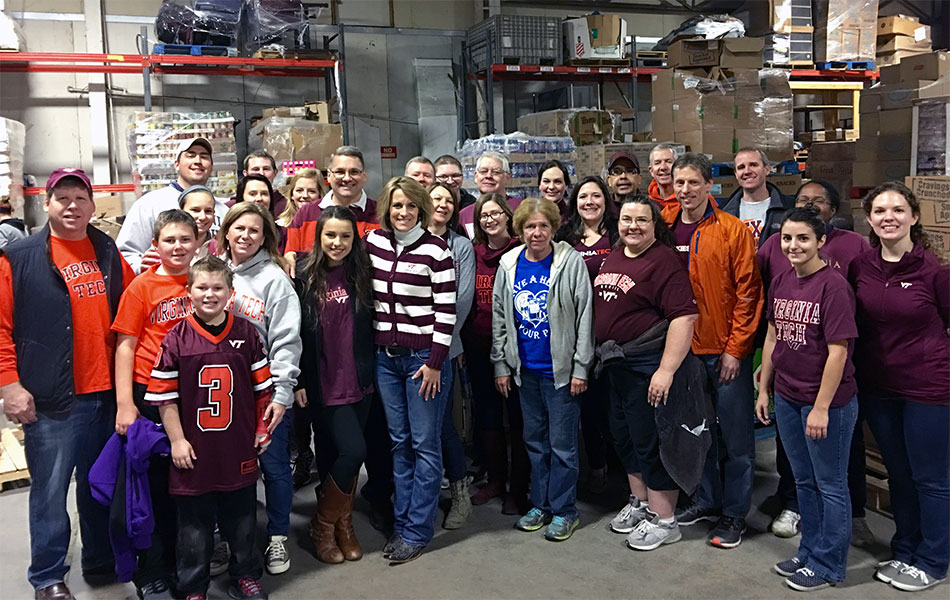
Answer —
278 479
913 441
551 417
820 468
727 484
55 446
453 453
415 426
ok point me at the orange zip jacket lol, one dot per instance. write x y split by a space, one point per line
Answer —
726 283
654 193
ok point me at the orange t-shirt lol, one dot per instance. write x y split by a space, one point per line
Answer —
93 342
149 308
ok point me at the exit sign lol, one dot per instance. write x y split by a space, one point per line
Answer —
387 152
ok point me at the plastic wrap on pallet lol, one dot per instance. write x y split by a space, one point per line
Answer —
525 155
710 27
12 145
154 139
932 143
11 37
199 22
296 139
275 22
846 30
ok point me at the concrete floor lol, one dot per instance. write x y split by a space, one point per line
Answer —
487 558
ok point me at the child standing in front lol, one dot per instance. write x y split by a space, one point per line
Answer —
212 385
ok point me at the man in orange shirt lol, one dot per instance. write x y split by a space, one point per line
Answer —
59 290
661 191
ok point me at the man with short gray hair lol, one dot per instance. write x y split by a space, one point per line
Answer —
420 168
660 190
492 175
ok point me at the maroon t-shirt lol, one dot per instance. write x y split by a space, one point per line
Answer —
339 383
841 247
477 329
631 295
594 255
682 234
809 313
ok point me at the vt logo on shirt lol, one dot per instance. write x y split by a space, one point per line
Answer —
236 343
906 285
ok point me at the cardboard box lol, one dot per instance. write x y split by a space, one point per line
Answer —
311 111
829 170
933 193
724 187
832 152
884 148
902 25
899 121
693 53
900 96
939 241
926 66
108 206
296 139
745 53
595 36
901 42
870 101
871 174
934 89
584 126
889 75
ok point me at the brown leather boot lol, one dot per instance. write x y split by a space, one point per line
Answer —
345 535
329 503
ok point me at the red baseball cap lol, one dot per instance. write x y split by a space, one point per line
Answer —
59 174
618 156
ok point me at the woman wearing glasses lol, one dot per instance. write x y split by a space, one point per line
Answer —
494 235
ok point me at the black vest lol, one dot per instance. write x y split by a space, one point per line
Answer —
42 316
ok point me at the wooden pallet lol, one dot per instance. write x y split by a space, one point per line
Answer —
839 135
651 53
12 457
292 54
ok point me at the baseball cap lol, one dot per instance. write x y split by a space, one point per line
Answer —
618 156
59 174
188 143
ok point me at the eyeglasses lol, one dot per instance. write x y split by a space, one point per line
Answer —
617 171
449 176
640 221
341 173
803 201
486 171
493 215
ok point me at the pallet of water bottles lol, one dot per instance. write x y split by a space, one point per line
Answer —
525 153
787 167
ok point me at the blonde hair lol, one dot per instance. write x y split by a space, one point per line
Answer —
529 206
413 191
292 205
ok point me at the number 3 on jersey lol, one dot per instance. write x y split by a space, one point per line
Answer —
219 381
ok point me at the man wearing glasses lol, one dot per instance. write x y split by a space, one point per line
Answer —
347 178
448 171
623 178
492 174
757 203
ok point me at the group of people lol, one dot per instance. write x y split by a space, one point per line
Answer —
171 368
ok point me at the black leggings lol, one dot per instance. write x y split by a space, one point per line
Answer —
341 437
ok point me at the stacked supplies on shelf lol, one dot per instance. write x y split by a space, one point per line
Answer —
525 155
12 144
901 36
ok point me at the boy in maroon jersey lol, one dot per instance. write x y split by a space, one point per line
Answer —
212 383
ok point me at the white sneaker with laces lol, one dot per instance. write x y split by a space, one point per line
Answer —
632 513
275 556
912 579
786 524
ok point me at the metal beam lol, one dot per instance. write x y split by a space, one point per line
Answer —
661 9
99 123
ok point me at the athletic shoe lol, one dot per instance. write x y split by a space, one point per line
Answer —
693 514
155 590
727 533
404 553
786 524
561 529
302 464
650 534
805 580
247 588
861 534
632 513
195 597
889 569
276 556
912 579
534 520
787 568
391 544
220 558
597 481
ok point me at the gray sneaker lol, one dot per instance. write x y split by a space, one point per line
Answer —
889 569
912 579
220 559
650 534
628 517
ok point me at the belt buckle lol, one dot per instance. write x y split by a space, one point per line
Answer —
394 351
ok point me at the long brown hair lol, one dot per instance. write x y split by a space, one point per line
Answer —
269 229
480 236
917 234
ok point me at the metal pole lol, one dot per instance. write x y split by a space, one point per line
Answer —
341 87
462 100
146 79
98 97
490 88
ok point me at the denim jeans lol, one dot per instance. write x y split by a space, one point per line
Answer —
913 441
278 479
55 446
453 453
415 426
727 481
551 417
821 480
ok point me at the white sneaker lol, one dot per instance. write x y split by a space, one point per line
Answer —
649 535
632 513
913 579
786 524
275 556
220 558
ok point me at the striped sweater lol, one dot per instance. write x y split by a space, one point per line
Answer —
414 294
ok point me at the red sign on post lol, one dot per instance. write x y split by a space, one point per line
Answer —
387 152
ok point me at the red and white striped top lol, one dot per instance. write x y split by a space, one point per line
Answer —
414 294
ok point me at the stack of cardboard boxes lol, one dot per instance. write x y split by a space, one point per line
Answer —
833 162
297 133
595 37
845 30
933 193
584 126
884 151
900 36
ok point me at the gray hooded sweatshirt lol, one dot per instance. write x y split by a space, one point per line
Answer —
265 296
570 314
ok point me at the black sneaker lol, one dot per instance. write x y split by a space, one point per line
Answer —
155 590
302 464
695 513
727 533
404 553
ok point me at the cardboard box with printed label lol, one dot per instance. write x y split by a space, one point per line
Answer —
933 193
902 25
693 53
595 36
925 66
